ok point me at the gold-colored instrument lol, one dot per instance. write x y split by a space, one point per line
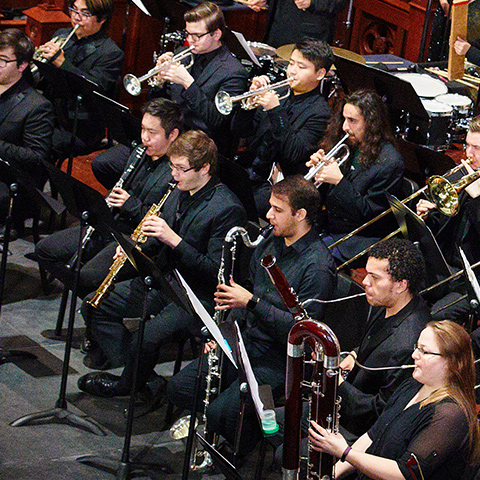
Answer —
341 145
60 41
445 196
224 101
385 212
138 237
324 403
133 84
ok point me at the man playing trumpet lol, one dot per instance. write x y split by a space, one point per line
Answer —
283 133
355 193
92 54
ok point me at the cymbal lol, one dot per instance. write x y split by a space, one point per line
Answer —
348 54
262 49
285 51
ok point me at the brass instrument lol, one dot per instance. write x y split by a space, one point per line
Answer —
132 83
331 154
385 212
201 458
224 101
323 400
445 196
138 237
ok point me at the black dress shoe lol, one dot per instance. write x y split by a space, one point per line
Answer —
152 397
101 384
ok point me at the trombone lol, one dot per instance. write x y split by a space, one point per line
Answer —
224 101
385 212
442 192
341 145
132 83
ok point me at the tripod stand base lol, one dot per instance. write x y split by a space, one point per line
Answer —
122 470
7 356
61 415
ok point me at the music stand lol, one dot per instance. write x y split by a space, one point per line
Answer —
70 86
89 205
122 126
153 278
473 290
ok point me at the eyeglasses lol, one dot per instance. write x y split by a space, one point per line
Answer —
423 352
80 14
195 36
179 169
3 62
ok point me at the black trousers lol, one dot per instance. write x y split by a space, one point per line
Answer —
108 166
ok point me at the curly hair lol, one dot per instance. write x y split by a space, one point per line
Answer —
405 262
377 126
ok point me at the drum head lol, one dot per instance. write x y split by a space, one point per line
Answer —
424 85
454 99
436 108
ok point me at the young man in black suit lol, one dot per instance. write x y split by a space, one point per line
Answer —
26 121
282 134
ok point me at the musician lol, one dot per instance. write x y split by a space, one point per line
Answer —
283 133
461 230
395 274
289 21
430 421
145 181
355 192
261 311
188 237
26 122
92 54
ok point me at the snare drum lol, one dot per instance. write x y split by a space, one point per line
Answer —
462 114
424 85
434 132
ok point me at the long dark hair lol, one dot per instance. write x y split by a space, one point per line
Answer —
377 126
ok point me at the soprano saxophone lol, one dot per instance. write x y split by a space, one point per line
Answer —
138 237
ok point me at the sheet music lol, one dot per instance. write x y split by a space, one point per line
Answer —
470 275
142 7
251 380
247 48
207 320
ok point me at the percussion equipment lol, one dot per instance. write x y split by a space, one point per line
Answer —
424 85
462 113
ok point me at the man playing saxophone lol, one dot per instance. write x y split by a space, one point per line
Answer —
261 311
189 237
90 53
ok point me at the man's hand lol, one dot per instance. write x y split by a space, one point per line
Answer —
257 5
303 4
119 252
461 46
49 50
424 206
231 296
117 197
157 227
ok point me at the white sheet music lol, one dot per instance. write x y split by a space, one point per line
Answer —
208 320
142 7
470 274
247 48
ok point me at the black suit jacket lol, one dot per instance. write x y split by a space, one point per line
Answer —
26 128
387 342
224 72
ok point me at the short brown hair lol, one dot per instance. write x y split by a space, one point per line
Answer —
199 149
474 126
102 9
22 45
211 13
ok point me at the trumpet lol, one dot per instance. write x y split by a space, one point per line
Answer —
132 83
341 145
224 101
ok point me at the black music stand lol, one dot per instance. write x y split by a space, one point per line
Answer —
122 126
70 86
153 278
89 205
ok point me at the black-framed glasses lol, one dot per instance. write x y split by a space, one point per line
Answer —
78 12
195 36
423 352
179 169
4 63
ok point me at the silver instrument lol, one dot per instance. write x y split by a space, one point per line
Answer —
224 101
341 145
132 83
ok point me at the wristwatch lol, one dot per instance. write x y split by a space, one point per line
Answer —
252 303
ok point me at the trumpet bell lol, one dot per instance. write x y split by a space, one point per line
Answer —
180 428
223 102
132 85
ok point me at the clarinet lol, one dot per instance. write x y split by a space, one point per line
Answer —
324 404
139 155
